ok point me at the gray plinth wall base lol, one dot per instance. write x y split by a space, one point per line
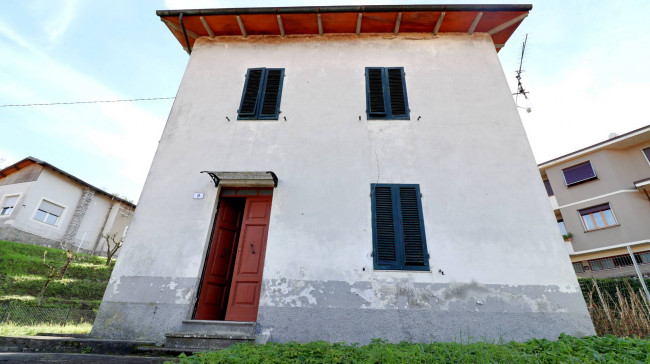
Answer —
13 234
145 308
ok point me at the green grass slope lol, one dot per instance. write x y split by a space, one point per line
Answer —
22 275
566 349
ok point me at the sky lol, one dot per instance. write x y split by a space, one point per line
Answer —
585 66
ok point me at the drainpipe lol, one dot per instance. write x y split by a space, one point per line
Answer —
99 236
187 41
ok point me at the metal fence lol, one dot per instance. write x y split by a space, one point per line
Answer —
609 287
30 315
618 306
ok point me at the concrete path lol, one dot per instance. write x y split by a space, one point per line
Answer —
75 358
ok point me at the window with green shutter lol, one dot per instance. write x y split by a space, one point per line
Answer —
398 237
386 93
262 93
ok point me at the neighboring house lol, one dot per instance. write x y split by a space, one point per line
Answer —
43 205
601 195
372 182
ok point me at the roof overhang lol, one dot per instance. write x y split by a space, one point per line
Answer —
643 185
499 21
243 179
620 142
31 160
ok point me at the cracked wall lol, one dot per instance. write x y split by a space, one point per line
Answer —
498 263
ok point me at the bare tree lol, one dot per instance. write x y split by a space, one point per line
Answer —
112 245
54 273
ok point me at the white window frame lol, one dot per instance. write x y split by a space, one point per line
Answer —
4 198
582 180
58 220
584 226
644 155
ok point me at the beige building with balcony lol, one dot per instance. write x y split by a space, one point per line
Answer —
601 198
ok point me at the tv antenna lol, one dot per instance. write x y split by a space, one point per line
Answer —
520 87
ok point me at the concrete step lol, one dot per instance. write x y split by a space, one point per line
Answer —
193 341
165 352
62 344
218 327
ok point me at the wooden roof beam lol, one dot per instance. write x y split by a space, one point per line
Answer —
470 31
320 25
359 23
507 24
281 26
190 33
241 27
397 22
207 27
438 23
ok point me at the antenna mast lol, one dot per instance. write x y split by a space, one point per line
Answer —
520 87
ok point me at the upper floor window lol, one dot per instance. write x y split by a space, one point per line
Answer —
386 93
579 173
646 152
563 231
398 228
597 217
549 189
48 213
260 99
8 205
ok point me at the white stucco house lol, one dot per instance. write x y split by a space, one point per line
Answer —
44 205
343 173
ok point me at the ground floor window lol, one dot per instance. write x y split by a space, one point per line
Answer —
619 261
48 213
398 237
578 267
8 205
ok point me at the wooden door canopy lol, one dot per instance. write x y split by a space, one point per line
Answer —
500 21
243 179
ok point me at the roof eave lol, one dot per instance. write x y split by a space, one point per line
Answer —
345 9
594 147
54 168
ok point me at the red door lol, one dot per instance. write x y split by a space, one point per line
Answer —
247 278
215 289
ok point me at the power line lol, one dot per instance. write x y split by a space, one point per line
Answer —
87 102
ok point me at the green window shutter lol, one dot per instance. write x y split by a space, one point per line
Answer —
375 103
384 225
270 105
397 93
252 88
262 93
386 93
415 247
398 228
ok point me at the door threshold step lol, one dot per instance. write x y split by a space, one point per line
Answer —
218 327
212 322
216 335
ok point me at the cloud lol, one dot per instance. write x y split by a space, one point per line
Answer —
58 21
209 4
121 137
7 158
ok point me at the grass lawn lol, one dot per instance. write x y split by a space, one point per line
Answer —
22 274
11 329
566 349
